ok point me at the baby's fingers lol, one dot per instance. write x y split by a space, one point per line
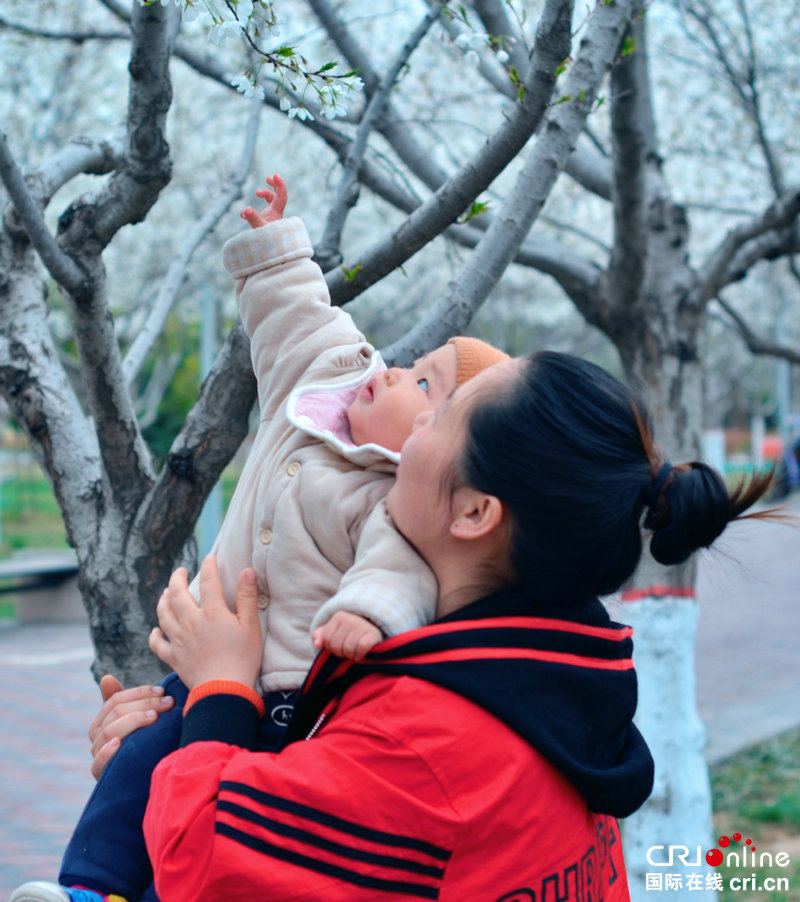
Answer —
366 642
252 218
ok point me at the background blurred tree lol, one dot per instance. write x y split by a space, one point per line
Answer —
462 133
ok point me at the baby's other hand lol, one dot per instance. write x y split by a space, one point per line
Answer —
347 635
276 203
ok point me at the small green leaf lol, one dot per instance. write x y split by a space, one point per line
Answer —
628 46
350 274
562 67
475 209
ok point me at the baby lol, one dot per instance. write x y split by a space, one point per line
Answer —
308 514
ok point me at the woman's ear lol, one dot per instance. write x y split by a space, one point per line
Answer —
475 514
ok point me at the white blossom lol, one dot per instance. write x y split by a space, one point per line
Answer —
285 104
333 108
222 30
247 86
189 13
502 57
476 41
472 58
300 112
244 9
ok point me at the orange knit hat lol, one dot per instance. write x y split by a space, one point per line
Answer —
473 356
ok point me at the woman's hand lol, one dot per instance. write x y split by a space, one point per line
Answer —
276 204
209 641
124 711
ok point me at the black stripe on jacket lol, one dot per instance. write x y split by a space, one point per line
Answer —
326 844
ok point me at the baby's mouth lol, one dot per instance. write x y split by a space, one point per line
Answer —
368 391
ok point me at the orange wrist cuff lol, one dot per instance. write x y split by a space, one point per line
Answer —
225 687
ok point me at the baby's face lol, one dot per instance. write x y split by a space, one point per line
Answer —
384 410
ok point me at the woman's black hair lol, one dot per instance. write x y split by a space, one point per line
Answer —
569 451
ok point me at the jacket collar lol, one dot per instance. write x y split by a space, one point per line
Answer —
320 410
568 687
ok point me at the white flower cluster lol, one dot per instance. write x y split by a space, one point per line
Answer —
473 43
334 95
254 19
247 86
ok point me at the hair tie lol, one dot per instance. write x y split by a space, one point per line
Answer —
653 491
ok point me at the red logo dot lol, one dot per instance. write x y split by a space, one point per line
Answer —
724 841
714 857
737 837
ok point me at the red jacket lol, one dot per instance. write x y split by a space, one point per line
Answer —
408 789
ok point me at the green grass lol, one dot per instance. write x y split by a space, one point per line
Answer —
30 513
757 793
30 517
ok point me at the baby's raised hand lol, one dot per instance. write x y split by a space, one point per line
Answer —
347 635
276 203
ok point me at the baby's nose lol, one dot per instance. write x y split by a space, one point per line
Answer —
392 375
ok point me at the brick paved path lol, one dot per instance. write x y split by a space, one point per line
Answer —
748 689
48 696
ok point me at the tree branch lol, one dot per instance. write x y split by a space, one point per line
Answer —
171 284
214 429
632 147
455 195
76 37
491 71
756 344
743 79
82 154
495 19
40 395
86 228
574 273
723 264
369 174
391 125
60 266
590 170
149 401
560 129
329 253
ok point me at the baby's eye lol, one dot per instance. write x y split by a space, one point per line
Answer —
423 383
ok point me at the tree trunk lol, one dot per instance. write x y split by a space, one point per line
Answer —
121 579
659 346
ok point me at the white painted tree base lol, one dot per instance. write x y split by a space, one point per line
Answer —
678 813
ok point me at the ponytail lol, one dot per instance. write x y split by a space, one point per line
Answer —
693 508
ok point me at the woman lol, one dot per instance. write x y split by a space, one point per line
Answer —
488 755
